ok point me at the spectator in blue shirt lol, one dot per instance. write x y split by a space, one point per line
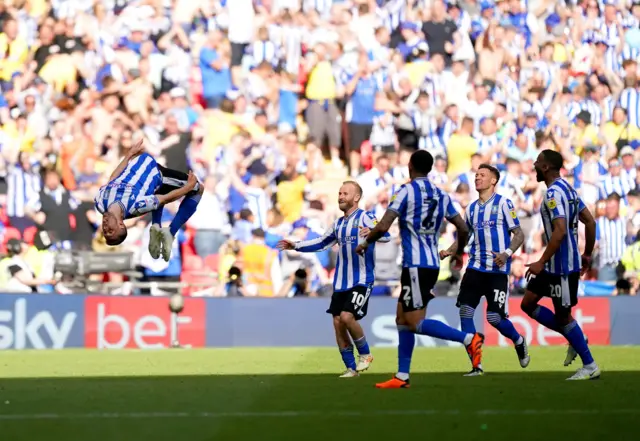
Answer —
216 76
361 89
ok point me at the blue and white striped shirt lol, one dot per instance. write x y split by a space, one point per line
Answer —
629 176
134 189
394 12
630 101
21 188
594 109
426 126
351 269
562 202
614 184
259 204
491 224
421 208
264 51
447 129
611 240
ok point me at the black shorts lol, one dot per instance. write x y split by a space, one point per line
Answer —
493 286
417 284
355 301
358 134
237 52
563 293
172 180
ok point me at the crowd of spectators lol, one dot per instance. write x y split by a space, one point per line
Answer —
273 103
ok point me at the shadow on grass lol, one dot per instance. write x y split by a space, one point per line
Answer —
316 407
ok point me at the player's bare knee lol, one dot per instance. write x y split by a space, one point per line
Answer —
527 306
563 317
400 321
346 318
336 321
494 318
412 324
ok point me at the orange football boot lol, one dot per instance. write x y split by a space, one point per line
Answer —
475 350
394 383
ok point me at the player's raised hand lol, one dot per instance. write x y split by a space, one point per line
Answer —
534 268
500 258
192 180
457 262
285 245
445 253
136 149
361 248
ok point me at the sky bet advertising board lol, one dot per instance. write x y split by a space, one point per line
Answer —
102 322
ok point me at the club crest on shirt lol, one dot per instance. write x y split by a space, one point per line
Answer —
494 209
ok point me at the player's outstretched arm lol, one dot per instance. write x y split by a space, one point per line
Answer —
369 223
327 240
176 194
382 227
379 231
134 151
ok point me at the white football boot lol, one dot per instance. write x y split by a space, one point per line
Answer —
589 372
364 361
572 354
167 243
155 241
350 373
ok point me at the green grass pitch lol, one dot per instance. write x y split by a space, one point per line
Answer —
294 394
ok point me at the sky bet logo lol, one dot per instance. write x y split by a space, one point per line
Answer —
39 322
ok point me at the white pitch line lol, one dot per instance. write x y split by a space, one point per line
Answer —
315 413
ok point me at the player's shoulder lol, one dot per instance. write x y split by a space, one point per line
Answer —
404 187
471 206
554 191
401 193
436 192
560 187
368 214
503 201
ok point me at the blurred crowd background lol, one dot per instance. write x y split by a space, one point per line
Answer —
274 103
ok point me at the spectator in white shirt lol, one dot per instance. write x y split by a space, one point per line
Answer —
210 220
241 15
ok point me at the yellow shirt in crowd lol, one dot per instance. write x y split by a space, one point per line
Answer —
291 198
416 71
59 71
561 53
13 56
460 148
222 126
321 84
23 139
586 136
613 131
